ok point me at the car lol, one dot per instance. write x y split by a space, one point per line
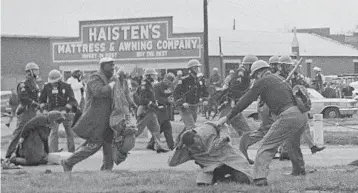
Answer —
355 91
331 107
5 107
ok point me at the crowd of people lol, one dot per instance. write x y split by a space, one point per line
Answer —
102 112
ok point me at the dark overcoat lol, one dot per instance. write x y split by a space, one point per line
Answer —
93 125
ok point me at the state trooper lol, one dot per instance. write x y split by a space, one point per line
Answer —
238 86
188 93
163 94
58 95
28 91
147 107
288 127
285 66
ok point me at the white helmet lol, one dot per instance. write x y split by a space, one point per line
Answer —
260 64
193 63
54 76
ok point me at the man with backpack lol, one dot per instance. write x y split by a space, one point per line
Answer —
289 125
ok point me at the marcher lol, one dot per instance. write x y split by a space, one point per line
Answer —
93 125
147 107
58 95
13 103
215 78
33 146
120 120
238 86
228 79
164 96
78 87
209 146
188 93
27 91
289 125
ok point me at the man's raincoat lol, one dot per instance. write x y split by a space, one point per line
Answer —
217 151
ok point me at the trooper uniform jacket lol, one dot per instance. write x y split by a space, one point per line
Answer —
189 90
28 92
144 94
58 97
238 86
162 94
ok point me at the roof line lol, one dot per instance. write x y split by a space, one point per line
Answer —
334 41
34 36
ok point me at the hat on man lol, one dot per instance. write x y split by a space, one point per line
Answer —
180 72
231 72
106 60
54 76
193 63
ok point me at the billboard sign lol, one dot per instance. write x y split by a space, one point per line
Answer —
128 40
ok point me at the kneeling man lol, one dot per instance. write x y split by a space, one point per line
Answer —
209 146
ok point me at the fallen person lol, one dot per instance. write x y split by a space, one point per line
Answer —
209 146
32 148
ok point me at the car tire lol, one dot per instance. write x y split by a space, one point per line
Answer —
331 113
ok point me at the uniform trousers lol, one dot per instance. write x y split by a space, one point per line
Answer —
288 127
70 134
166 128
189 116
238 122
22 119
150 120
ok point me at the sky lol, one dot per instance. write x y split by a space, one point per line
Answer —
60 18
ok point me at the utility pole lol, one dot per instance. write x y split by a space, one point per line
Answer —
206 39
234 25
221 59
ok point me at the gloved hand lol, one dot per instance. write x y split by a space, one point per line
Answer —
111 84
185 105
205 103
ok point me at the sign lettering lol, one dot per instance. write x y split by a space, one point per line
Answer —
128 41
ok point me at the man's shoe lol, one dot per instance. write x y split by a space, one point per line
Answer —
7 124
66 168
260 182
150 147
316 149
162 150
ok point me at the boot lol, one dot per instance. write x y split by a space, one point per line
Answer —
316 149
66 168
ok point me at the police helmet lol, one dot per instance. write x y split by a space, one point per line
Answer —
150 71
274 59
31 66
260 64
193 63
54 76
249 59
285 59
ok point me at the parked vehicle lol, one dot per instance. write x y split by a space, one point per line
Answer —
5 107
331 107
